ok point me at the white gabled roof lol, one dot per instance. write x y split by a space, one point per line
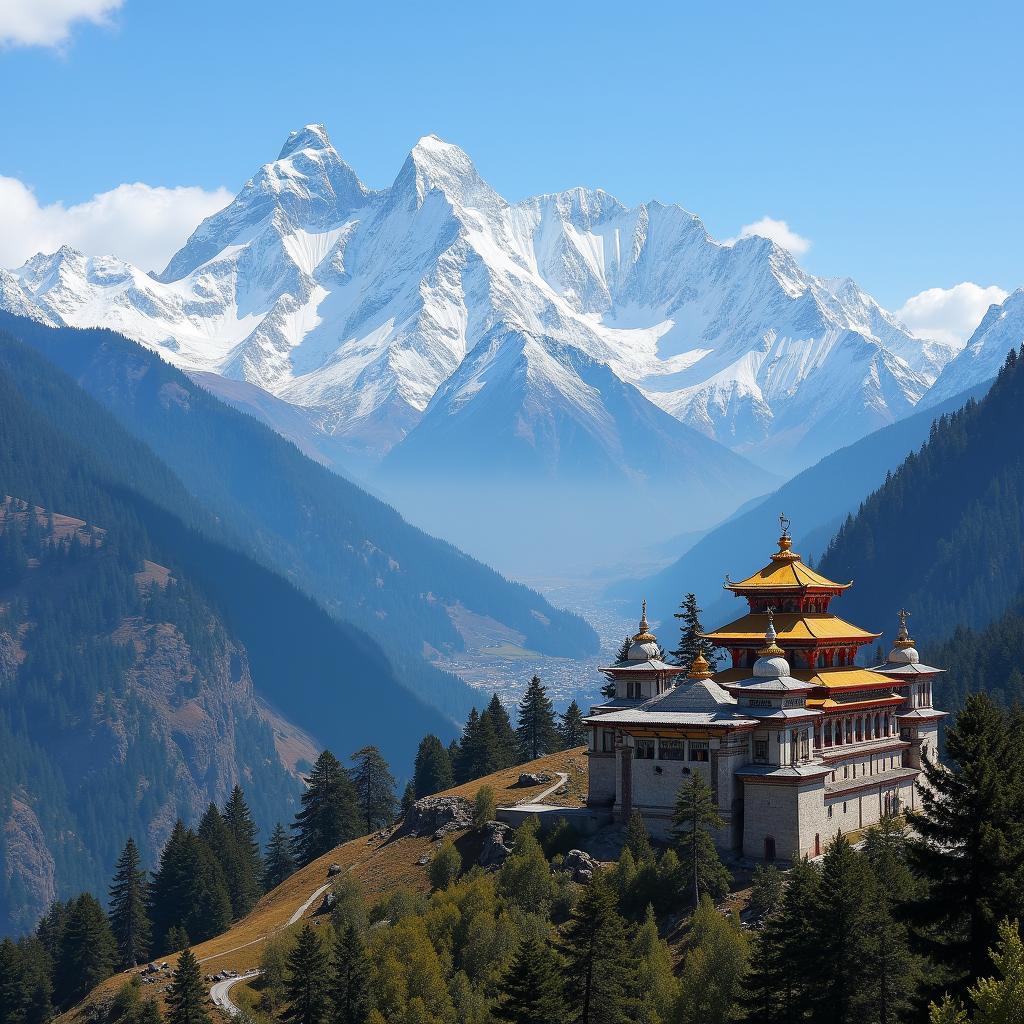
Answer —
692 702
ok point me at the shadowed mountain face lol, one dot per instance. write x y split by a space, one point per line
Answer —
349 550
819 499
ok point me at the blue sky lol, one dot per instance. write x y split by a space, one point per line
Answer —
887 136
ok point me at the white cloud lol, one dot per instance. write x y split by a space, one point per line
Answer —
949 314
778 231
49 22
140 223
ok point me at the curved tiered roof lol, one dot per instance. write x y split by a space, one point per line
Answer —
793 628
785 573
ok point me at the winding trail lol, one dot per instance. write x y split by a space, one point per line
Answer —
220 991
563 780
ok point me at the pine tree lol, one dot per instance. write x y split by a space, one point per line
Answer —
246 884
308 987
530 991
691 640
13 984
839 933
967 845
571 730
536 731
505 744
637 839
279 863
695 815
128 918
598 969
408 797
478 748
716 961
186 995
213 831
655 983
784 965
622 654
88 951
330 812
432 772
350 994
375 788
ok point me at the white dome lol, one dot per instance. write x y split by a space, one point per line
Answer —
642 651
773 667
903 656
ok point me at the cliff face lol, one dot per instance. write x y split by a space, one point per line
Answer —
120 716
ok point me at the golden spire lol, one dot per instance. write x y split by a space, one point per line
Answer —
645 636
771 649
785 552
903 636
699 669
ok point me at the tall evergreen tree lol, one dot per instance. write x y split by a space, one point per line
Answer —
530 991
967 843
128 918
186 995
478 753
716 961
188 893
246 885
571 730
375 788
695 815
784 967
536 731
308 985
433 768
637 839
691 642
279 863
351 994
503 736
330 810
839 933
599 972
13 984
88 951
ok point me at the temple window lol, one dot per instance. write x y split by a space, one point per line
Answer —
645 749
761 751
672 750
634 691
805 746
700 750
608 741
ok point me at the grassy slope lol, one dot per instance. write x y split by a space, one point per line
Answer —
380 865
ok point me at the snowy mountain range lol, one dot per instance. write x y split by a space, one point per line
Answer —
1001 329
433 329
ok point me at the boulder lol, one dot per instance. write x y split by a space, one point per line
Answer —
334 869
438 816
533 779
579 865
496 846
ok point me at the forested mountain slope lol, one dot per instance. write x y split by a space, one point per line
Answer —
944 535
816 500
133 650
352 552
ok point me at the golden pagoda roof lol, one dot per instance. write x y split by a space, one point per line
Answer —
839 678
785 572
790 627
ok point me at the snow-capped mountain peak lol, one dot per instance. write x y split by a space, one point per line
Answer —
358 305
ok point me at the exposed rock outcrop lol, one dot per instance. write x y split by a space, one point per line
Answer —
438 816
497 847
579 865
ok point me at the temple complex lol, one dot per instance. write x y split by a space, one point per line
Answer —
795 739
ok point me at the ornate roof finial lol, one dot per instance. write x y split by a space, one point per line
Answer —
771 648
645 635
784 554
903 636
699 668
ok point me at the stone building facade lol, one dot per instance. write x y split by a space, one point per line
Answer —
794 738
